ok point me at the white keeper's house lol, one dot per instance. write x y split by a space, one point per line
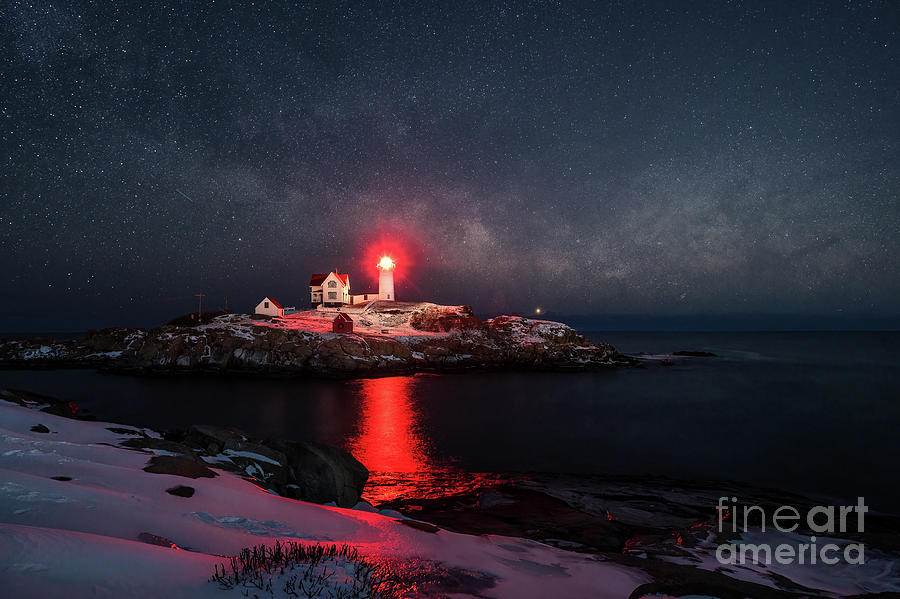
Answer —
330 290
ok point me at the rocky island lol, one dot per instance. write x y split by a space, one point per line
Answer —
388 338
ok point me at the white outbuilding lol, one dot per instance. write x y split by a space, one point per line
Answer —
269 307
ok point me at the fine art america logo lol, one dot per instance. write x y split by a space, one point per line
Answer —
820 520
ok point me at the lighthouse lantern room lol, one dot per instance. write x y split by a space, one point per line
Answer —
386 279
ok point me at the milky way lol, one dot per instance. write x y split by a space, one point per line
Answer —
642 158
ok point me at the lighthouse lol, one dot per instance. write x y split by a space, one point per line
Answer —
386 279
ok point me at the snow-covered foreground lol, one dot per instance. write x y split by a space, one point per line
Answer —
83 537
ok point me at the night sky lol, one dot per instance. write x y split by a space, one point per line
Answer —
664 158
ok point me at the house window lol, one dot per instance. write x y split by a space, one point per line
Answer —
265 304
332 284
332 295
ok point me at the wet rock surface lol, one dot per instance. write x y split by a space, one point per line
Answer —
661 526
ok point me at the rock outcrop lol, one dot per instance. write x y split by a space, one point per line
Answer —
323 473
296 469
435 319
398 339
94 348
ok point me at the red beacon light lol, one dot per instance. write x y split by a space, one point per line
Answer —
386 263
386 279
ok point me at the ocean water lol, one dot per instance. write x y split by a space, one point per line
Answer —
815 413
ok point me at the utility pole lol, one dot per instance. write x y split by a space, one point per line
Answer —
200 307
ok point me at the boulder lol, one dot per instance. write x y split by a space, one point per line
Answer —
305 471
212 439
259 462
322 474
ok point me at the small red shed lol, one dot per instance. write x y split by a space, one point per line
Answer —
342 323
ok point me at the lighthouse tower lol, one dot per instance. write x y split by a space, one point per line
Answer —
386 279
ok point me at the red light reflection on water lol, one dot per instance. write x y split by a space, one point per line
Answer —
390 442
387 439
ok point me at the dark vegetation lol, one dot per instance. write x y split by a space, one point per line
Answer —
292 569
192 319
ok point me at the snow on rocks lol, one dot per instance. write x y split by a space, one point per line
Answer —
389 338
80 537
880 572
392 339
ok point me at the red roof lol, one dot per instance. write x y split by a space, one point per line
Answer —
277 305
317 280
342 316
